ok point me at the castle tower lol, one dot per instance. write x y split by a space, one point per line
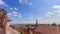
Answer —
36 22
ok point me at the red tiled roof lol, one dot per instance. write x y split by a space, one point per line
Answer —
48 29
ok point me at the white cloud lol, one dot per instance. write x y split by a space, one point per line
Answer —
11 8
56 6
53 13
30 3
48 14
20 16
39 18
29 18
15 8
57 11
20 1
6 5
2 2
25 2
15 13
9 14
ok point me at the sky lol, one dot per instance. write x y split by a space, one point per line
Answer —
27 11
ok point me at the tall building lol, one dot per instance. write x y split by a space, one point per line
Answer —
36 22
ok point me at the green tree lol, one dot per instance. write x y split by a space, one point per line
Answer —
20 32
54 24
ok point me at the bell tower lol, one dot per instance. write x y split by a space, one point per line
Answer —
36 22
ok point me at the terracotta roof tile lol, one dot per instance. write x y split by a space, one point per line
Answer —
48 29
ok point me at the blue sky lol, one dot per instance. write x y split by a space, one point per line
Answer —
27 11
